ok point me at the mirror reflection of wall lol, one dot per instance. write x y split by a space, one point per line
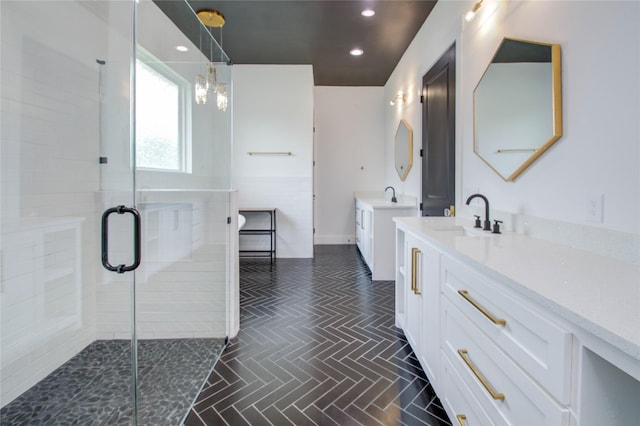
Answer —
517 106
403 149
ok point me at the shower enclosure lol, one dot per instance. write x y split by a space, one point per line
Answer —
118 244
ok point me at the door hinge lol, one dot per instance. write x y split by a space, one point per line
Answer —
421 152
421 99
229 220
421 207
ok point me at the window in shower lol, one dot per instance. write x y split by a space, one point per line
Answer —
161 116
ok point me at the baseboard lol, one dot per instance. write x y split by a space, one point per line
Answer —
334 239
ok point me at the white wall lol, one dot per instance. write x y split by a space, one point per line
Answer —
439 32
599 151
349 156
273 112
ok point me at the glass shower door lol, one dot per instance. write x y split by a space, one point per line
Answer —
182 182
66 343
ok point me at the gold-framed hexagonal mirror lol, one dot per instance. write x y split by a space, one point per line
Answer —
403 149
517 106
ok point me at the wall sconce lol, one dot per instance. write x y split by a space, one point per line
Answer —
400 97
472 13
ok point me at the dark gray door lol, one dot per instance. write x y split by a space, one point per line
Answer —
438 135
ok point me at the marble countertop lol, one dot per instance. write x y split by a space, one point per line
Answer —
381 200
599 294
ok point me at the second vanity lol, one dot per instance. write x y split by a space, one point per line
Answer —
375 231
515 330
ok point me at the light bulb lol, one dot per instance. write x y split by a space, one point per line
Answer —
472 13
201 90
222 99
211 78
469 16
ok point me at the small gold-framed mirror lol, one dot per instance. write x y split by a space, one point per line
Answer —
517 106
403 149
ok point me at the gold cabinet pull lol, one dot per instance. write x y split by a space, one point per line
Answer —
465 294
414 270
479 376
462 419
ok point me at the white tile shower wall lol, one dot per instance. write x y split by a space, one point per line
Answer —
51 136
43 318
50 105
184 236
181 286
292 198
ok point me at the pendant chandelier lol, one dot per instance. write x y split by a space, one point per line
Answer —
208 83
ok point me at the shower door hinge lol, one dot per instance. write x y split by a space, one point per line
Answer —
228 220
421 207
421 99
421 153
103 160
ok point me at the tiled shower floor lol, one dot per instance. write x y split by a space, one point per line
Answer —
94 387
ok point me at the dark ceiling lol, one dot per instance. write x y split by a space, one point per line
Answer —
317 32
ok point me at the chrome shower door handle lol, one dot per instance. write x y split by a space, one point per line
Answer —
121 269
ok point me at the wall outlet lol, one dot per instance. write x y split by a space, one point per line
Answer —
595 207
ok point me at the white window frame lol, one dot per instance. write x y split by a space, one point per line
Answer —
184 110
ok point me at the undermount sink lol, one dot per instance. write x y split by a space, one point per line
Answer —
466 231
380 202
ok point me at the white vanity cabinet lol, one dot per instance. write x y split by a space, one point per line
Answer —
515 363
540 347
364 234
517 331
375 232
421 294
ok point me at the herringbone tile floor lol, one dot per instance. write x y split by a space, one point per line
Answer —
317 345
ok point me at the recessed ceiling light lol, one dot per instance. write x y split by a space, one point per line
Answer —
368 12
356 51
182 48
